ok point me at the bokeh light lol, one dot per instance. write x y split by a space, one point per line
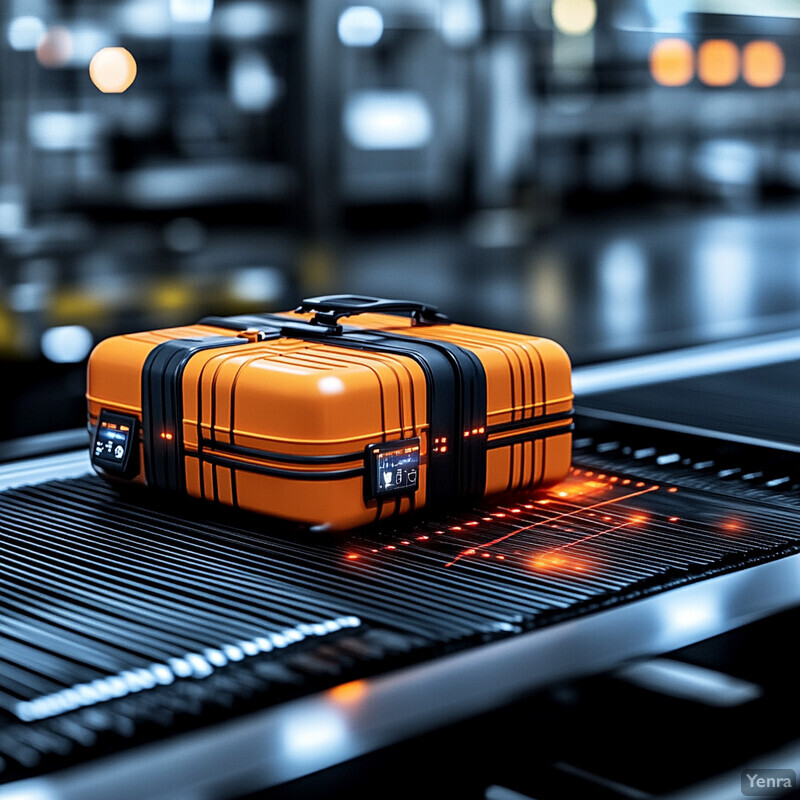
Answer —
574 17
55 48
360 26
672 62
763 64
25 32
112 70
718 62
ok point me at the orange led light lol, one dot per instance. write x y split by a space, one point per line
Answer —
673 519
167 436
471 523
348 693
564 515
352 556
763 64
486 555
443 449
673 489
672 62
718 62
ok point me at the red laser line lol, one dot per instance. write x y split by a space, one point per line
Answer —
586 538
551 519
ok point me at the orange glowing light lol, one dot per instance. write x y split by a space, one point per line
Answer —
673 489
613 479
673 519
516 510
390 547
167 436
423 538
486 555
589 474
486 519
718 62
626 481
352 556
456 528
562 494
528 505
763 64
601 476
405 541
640 484
607 519
572 513
498 515
500 558
443 449
639 518
672 62
472 524
470 552
348 693
112 70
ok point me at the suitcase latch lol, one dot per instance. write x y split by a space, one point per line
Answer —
255 335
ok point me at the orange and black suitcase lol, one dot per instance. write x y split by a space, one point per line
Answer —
298 416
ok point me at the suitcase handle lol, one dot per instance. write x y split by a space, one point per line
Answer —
330 308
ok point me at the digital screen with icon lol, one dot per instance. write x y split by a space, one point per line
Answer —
112 443
395 467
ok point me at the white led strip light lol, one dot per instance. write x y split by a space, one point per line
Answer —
190 665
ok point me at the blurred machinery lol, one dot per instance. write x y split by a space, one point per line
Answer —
164 158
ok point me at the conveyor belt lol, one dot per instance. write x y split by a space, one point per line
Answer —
128 617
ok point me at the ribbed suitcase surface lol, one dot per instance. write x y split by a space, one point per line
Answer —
333 426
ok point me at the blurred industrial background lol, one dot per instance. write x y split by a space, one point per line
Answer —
621 175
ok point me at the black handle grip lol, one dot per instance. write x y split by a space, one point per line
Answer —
331 308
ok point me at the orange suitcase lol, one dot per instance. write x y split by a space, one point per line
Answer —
334 426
